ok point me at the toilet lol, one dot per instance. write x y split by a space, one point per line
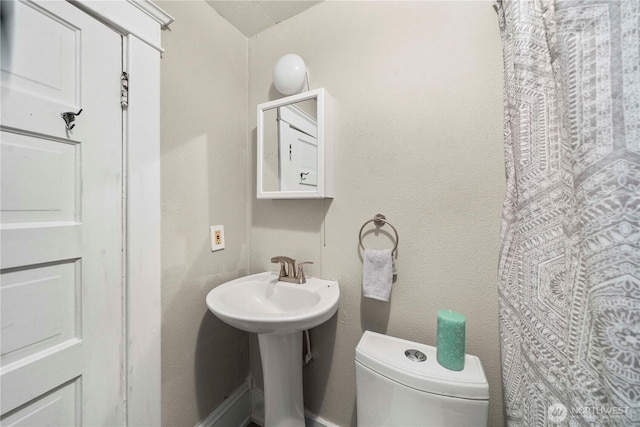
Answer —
400 383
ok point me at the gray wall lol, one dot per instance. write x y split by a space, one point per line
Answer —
417 89
204 182
418 107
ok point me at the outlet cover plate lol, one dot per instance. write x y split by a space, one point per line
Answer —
217 237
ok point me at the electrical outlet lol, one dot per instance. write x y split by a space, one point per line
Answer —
217 237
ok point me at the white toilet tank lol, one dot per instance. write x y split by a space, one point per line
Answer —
394 390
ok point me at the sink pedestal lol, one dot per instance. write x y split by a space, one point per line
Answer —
278 312
281 356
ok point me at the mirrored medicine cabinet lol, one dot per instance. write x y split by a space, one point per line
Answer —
295 147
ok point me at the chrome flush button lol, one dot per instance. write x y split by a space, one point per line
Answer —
415 355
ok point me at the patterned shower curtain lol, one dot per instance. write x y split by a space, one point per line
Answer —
570 258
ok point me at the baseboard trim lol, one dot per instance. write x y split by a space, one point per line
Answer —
313 420
245 405
257 412
234 411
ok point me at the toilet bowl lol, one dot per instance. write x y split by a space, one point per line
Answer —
400 383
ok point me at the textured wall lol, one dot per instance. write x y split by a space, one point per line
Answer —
204 182
418 107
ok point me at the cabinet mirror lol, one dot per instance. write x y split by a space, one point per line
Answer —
295 147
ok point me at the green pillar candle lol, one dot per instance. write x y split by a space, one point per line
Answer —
451 336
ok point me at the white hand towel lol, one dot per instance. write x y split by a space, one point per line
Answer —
377 274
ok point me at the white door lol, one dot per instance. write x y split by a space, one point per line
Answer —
298 159
298 136
61 219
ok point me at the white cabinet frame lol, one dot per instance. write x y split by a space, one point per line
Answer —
325 137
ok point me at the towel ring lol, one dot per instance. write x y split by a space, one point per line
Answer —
380 220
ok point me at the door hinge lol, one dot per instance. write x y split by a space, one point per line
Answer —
124 90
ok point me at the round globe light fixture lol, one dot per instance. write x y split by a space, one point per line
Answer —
289 74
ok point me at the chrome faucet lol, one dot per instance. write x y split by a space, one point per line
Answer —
288 272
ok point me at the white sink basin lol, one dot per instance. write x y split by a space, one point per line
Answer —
263 305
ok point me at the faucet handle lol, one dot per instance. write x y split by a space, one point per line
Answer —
284 260
300 275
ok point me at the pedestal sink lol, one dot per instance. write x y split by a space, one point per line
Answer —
278 312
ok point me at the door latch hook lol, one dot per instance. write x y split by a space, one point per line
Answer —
69 117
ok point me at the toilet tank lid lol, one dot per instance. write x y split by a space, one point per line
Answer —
386 355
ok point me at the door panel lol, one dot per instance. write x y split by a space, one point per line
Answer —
53 83
59 407
38 243
298 159
27 162
61 219
39 309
